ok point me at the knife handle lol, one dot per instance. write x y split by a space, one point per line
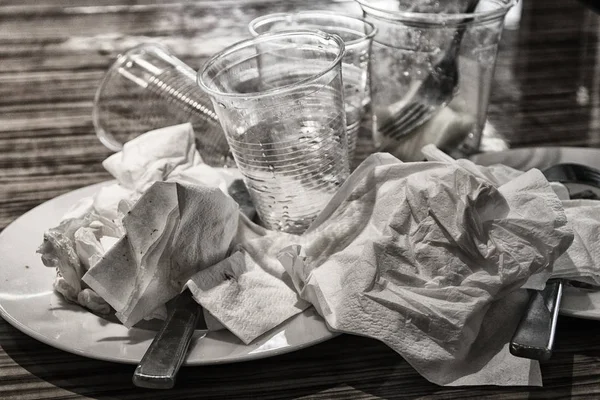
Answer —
534 337
158 368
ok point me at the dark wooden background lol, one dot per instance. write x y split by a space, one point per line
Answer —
53 54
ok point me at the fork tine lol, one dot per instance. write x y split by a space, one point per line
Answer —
415 121
391 121
408 123
405 114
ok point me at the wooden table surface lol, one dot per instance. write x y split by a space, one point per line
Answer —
53 54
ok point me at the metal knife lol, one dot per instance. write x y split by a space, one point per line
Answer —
534 336
161 362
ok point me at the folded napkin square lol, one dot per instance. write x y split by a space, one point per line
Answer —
244 297
249 293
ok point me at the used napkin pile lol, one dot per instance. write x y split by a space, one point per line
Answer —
95 224
428 257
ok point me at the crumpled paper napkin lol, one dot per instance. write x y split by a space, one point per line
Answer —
94 224
154 156
581 260
426 257
165 154
172 232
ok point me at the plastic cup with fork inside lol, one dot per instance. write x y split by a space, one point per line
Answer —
279 98
357 35
431 72
149 88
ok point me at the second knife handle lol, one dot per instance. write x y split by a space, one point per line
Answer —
534 337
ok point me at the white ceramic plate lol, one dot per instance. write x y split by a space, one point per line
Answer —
575 302
28 302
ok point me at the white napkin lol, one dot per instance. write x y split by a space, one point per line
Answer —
74 245
93 224
389 257
249 293
427 257
166 154
498 175
244 297
581 260
495 174
172 232
154 156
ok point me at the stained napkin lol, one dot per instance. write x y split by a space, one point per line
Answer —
172 232
94 224
165 154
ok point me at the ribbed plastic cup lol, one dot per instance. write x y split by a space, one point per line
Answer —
149 88
357 35
279 98
411 45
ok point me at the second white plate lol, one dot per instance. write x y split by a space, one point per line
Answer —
575 302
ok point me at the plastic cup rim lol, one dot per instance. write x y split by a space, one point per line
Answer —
264 38
438 19
324 13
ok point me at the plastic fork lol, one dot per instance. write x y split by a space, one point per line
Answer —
435 91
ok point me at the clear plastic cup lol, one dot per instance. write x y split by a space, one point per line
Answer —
357 35
279 98
418 42
148 88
